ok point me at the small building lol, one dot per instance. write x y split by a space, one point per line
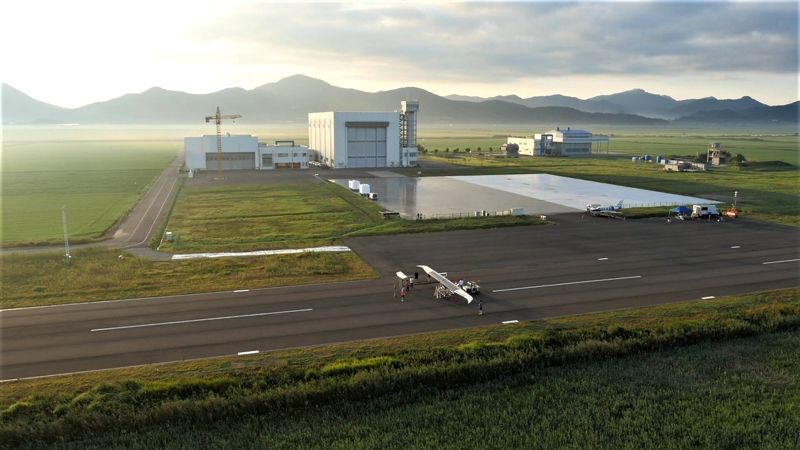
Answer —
558 142
684 165
242 152
716 156
365 139
283 155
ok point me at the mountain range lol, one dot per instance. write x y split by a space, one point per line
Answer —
292 98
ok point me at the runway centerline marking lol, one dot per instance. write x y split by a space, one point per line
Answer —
707 298
782 261
176 322
566 284
602 259
241 290
506 322
251 352
736 246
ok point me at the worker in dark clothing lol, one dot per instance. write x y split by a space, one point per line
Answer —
480 307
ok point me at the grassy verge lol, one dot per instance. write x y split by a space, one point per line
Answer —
557 364
767 192
100 274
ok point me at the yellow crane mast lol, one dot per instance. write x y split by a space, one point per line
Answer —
217 118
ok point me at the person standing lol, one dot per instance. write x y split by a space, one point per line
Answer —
402 294
394 290
410 283
480 307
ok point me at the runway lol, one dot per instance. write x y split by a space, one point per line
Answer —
526 273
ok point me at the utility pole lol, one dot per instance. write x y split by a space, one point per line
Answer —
217 118
66 236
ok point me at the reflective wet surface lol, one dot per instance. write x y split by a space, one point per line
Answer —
536 193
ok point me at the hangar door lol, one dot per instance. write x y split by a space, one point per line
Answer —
232 161
366 144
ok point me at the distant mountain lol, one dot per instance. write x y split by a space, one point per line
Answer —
639 101
21 108
292 98
785 114
712 104
634 101
465 98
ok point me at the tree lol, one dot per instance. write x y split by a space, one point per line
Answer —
436 150
447 150
455 150
490 150
479 149
421 148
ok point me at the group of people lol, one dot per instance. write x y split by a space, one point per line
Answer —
405 285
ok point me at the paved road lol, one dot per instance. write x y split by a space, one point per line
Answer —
575 266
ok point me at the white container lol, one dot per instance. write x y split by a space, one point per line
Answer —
169 236
353 185
363 189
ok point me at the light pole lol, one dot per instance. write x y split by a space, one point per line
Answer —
66 236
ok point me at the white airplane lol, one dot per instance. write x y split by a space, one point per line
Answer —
608 210
446 286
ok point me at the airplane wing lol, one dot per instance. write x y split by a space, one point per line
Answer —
401 275
446 283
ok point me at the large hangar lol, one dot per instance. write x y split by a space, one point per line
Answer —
239 152
365 139
558 142
243 152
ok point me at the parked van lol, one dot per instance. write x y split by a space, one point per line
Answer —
705 212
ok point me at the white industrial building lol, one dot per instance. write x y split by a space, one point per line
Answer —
242 152
558 142
365 139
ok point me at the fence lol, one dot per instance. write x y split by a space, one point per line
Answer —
460 215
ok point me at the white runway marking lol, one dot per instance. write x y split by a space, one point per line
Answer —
707 298
736 246
251 352
565 284
285 251
175 322
241 290
602 259
506 322
783 261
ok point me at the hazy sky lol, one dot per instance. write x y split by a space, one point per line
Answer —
71 53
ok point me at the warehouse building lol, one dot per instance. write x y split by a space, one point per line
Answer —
242 152
558 142
365 139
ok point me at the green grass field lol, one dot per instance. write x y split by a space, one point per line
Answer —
97 181
757 145
99 274
719 373
291 214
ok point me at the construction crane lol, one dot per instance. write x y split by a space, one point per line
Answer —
217 118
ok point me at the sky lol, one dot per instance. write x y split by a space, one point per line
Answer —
71 53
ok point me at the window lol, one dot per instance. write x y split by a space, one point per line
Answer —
283 155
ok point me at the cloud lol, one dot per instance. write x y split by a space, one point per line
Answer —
498 42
